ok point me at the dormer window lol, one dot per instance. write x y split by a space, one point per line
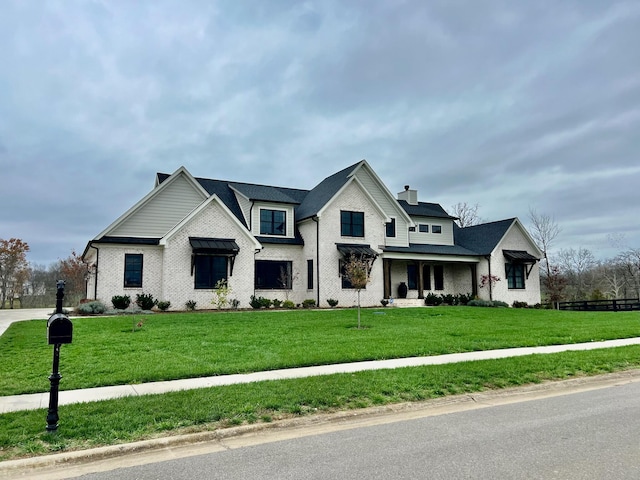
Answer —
273 222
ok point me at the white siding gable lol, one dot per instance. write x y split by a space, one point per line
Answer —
430 238
255 218
162 211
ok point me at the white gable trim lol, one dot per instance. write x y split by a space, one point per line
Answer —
351 180
181 172
517 224
196 211
383 187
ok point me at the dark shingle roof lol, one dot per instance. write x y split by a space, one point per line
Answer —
323 192
270 194
432 249
424 209
482 238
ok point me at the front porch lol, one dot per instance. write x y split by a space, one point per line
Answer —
419 277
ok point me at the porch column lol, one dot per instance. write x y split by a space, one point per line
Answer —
420 280
474 279
386 272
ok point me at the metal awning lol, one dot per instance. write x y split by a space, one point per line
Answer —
519 256
348 249
214 246
226 247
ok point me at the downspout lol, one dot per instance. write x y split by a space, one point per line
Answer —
317 220
488 257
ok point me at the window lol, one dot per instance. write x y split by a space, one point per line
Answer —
423 228
438 277
273 275
412 229
391 228
426 276
436 229
515 275
210 269
132 270
309 274
412 277
273 222
351 224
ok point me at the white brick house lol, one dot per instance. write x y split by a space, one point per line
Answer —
284 243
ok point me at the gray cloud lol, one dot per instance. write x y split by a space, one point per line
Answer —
508 105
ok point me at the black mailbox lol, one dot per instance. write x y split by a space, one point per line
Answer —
59 329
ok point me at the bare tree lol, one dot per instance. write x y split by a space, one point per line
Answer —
467 214
630 261
612 276
578 265
544 231
356 271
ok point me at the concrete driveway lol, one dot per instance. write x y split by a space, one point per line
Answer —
8 316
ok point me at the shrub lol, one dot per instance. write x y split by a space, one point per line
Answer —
487 303
235 303
464 298
190 305
121 302
384 302
288 304
221 294
259 302
432 299
164 305
517 304
145 301
276 303
308 303
332 302
92 308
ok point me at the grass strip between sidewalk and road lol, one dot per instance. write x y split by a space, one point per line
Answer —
130 419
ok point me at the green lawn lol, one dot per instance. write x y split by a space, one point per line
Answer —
107 350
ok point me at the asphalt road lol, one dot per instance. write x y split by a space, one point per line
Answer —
588 435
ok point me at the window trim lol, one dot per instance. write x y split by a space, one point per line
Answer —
347 227
271 223
437 229
423 228
128 270
390 228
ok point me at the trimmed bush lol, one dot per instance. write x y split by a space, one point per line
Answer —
308 303
432 299
487 303
145 301
276 303
332 302
121 302
518 304
190 305
163 305
288 304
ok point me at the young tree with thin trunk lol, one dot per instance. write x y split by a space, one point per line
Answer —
356 272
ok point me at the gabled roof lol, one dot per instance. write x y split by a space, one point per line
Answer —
424 209
320 195
267 193
483 238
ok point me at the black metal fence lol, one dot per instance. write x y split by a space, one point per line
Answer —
617 305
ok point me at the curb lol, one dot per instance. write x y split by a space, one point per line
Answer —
303 426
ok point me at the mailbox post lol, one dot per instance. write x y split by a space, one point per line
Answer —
59 331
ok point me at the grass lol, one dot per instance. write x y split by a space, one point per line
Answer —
136 418
109 350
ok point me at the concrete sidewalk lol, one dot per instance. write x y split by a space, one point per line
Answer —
41 400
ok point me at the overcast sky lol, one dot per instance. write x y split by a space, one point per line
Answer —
508 104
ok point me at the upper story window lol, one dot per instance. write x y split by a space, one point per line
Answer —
351 224
273 222
424 228
132 270
391 228
436 228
